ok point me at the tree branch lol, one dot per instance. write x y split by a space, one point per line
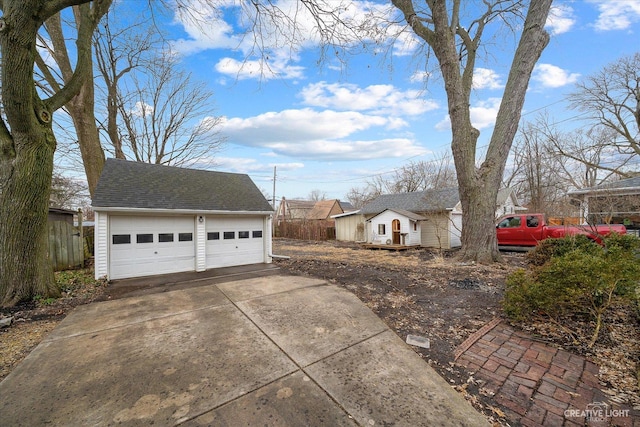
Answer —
91 15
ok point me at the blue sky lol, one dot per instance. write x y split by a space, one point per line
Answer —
332 126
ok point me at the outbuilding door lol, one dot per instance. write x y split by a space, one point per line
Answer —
234 241
144 246
395 227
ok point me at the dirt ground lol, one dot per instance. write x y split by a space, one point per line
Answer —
418 292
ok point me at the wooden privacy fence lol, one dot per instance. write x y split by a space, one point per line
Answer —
307 230
66 246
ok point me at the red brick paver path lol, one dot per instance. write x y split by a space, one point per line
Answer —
536 384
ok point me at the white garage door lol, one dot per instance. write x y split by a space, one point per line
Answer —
144 246
234 241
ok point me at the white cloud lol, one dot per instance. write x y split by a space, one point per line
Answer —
296 125
325 135
560 19
484 78
251 165
552 76
206 27
259 69
330 150
483 115
420 77
616 14
379 99
141 109
212 24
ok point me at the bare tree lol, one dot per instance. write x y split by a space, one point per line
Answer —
81 106
317 195
67 193
27 141
120 51
589 156
165 116
611 98
456 44
359 197
537 170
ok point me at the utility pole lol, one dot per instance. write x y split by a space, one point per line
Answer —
275 212
274 188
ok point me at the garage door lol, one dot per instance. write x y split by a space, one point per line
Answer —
144 246
234 241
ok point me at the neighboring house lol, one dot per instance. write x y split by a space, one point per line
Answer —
154 219
507 202
613 202
324 209
347 207
294 210
435 215
307 219
308 210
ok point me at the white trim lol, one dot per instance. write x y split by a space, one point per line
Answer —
178 211
345 214
201 243
614 190
266 235
101 245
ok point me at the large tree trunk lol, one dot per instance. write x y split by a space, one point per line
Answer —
25 270
82 106
81 109
27 144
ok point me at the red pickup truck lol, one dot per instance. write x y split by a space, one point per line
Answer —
526 230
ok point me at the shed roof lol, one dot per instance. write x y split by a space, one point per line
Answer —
126 184
417 201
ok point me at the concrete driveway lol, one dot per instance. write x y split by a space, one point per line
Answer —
268 351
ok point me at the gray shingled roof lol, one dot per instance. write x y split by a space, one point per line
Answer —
407 214
610 186
125 184
418 201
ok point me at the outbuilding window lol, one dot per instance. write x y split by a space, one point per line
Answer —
382 229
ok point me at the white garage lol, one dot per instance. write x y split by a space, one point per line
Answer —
154 219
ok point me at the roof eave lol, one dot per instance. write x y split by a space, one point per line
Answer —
111 209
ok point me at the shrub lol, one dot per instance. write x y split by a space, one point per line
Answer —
579 278
550 248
